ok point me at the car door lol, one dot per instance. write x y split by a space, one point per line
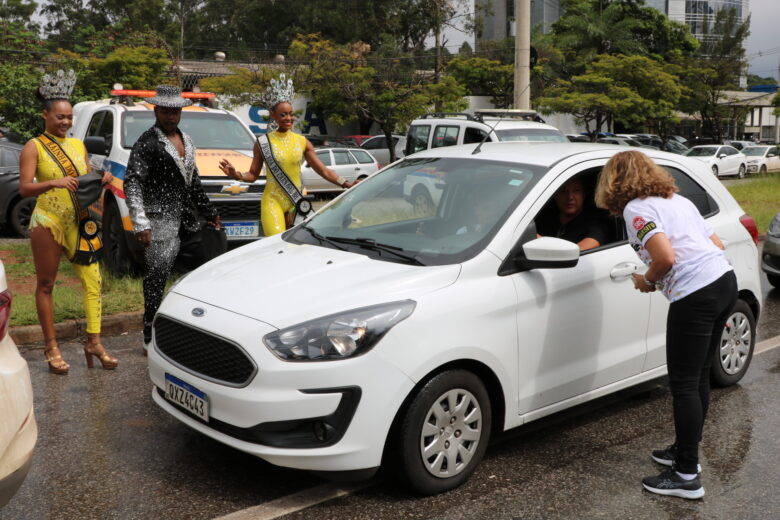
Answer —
581 328
445 135
773 163
366 164
377 147
733 159
101 125
345 164
311 179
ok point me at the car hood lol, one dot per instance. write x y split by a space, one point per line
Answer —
283 284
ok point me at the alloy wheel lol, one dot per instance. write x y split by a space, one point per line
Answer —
735 343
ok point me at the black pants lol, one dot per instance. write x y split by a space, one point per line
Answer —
185 253
693 333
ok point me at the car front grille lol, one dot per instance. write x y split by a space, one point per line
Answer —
244 210
203 354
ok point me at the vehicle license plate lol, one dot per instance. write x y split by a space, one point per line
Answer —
187 396
242 229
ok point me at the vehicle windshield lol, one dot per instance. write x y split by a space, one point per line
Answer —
531 134
423 211
755 151
704 151
207 130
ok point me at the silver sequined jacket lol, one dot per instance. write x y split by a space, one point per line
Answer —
161 188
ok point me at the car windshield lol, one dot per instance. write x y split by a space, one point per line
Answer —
756 151
423 211
704 151
207 130
531 134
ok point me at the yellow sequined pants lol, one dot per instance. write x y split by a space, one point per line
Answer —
275 205
91 282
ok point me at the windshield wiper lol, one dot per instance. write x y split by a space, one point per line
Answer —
323 239
370 243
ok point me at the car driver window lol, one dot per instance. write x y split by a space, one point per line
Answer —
571 214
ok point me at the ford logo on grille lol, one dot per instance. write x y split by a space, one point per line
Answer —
198 312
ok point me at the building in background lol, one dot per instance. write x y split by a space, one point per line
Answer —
693 13
499 15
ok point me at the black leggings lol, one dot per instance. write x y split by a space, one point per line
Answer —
693 334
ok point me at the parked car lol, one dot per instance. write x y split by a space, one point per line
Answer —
577 138
377 332
330 140
438 130
770 255
762 159
15 210
18 429
723 160
739 145
674 146
377 146
624 141
350 163
358 139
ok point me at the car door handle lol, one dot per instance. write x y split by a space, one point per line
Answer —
357 169
623 270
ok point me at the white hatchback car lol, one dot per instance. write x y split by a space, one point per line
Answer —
350 163
18 429
762 159
722 159
379 328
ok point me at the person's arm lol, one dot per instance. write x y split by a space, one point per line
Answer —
202 202
254 170
322 170
716 240
28 162
137 172
588 243
662 259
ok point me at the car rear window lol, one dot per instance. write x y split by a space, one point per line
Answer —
362 157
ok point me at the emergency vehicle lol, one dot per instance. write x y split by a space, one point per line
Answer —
110 127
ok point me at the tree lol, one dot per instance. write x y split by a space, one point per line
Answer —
628 89
20 110
481 76
19 11
754 80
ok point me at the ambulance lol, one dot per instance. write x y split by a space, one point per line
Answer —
110 127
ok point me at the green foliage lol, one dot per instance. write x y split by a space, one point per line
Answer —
753 80
20 110
627 89
758 198
481 76
20 11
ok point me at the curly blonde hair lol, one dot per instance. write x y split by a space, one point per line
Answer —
631 175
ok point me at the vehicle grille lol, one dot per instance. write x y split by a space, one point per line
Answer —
217 188
203 354
244 210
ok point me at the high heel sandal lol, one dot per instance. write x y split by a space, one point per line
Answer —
57 365
107 361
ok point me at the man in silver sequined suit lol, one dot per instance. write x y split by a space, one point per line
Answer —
164 196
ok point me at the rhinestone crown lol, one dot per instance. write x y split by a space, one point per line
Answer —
278 91
58 85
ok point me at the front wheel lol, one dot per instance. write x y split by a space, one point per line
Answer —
774 280
444 432
741 171
20 216
715 170
116 252
735 352
762 171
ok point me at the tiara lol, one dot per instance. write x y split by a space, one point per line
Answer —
58 85
278 91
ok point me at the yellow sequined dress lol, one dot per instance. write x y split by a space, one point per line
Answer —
54 211
288 148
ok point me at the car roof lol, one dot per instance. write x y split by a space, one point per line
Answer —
537 153
495 123
10 144
142 107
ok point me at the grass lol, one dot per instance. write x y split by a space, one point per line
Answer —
119 294
760 198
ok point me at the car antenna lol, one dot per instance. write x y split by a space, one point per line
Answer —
479 146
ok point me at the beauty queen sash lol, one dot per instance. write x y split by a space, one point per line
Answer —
302 205
89 247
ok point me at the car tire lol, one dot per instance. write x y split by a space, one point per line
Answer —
774 280
421 199
116 251
20 214
741 171
434 424
715 170
762 171
735 351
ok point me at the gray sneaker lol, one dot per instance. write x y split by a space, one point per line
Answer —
667 456
669 483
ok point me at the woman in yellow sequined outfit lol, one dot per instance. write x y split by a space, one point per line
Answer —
289 148
54 231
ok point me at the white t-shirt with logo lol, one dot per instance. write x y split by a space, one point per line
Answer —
697 260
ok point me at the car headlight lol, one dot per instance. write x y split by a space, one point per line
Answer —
338 336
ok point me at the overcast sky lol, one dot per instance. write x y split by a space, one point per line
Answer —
764 37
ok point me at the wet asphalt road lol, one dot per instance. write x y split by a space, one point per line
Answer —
106 451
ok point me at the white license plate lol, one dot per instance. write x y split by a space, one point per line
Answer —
242 229
187 396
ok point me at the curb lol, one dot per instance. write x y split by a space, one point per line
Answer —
72 329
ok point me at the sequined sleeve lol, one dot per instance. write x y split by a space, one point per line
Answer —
200 199
137 172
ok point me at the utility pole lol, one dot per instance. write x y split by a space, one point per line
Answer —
522 54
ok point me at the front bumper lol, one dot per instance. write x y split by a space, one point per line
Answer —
770 256
282 410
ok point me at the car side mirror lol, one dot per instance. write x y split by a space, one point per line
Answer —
539 253
721 156
770 154
95 144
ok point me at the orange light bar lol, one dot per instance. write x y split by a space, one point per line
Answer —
152 93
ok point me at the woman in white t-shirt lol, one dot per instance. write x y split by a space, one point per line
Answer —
686 264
